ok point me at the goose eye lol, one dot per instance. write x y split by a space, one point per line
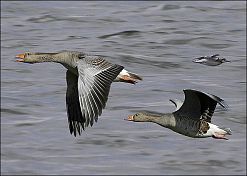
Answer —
27 53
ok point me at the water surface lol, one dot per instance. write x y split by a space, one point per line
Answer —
157 40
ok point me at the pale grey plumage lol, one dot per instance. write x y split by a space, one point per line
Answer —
94 83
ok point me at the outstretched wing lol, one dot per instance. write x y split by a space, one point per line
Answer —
75 119
94 81
88 96
199 105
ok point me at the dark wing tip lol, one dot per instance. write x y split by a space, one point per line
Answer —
215 55
198 58
171 100
214 97
221 102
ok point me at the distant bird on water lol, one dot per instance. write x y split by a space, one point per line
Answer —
89 78
213 60
192 119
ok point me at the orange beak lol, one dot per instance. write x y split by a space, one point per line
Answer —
130 118
20 57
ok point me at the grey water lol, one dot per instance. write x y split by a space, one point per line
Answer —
157 40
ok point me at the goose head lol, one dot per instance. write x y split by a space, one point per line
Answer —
31 58
142 117
139 117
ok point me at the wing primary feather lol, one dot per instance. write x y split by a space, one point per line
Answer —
75 118
90 105
218 100
95 78
87 103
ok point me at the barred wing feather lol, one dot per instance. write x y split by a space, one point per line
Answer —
94 83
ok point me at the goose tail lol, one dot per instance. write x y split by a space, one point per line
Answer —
128 77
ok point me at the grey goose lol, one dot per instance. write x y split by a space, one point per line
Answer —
193 118
89 78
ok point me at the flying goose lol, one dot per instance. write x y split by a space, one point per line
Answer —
192 119
213 60
88 79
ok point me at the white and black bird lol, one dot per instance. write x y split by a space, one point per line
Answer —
213 60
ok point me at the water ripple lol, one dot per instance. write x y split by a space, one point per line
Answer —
160 64
15 112
42 19
129 33
154 39
215 46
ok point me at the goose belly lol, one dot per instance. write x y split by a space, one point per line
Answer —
187 127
